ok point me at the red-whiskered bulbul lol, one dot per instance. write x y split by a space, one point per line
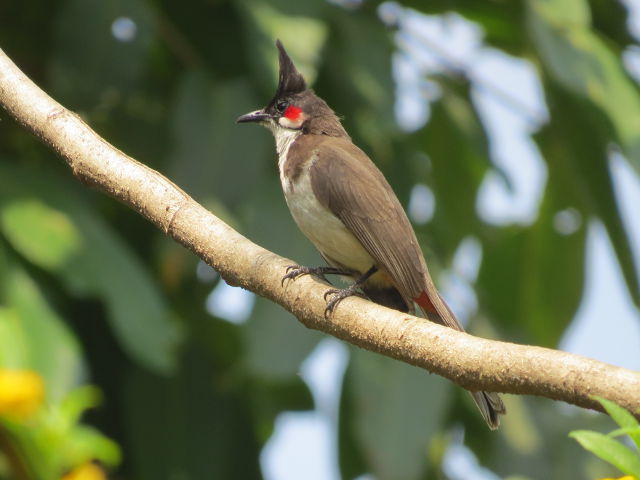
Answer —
344 205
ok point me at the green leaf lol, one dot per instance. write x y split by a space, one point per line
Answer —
583 63
13 352
45 236
58 442
276 342
302 35
84 444
630 431
138 313
456 142
77 401
603 101
32 334
90 259
391 401
609 450
207 428
549 268
579 171
362 87
622 417
210 149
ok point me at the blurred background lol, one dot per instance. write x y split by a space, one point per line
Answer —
509 129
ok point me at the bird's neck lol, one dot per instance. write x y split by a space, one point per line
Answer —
284 139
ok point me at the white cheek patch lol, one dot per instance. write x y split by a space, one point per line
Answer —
293 124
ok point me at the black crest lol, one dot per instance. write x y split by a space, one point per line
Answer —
290 81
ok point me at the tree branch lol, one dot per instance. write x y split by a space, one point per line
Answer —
473 363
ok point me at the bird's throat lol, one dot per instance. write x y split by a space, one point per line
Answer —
284 139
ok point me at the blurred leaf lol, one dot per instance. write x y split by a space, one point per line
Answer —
43 235
554 457
20 26
622 417
89 63
583 175
531 280
86 444
53 441
356 80
32 333
397 410
202 34
302 35
270 398
611 18
501 21
213 158
276 342
77 401
609 450
102 266
457 145
206 429
582 63
13 353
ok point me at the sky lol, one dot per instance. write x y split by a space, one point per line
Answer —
303 443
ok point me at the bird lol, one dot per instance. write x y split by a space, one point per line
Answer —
344 205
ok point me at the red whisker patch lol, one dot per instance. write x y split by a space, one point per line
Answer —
292 112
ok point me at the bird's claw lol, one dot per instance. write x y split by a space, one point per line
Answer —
337 296
333 302
294 271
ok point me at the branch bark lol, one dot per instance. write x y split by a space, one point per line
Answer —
471 362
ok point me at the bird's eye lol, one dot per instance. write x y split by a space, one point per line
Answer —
281 106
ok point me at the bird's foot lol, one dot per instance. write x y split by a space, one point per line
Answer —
295 271
339 294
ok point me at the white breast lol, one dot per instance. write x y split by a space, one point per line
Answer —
321 226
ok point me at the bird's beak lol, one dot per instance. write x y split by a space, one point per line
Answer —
258 116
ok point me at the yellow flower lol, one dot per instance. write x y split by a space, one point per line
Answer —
86 471
626 477
21 392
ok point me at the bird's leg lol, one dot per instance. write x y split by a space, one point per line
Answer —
295 271
339 294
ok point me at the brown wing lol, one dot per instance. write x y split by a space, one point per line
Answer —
350 185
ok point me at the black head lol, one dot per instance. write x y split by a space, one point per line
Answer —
290 81
294 106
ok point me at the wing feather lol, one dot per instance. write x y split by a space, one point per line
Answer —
348 183
345 181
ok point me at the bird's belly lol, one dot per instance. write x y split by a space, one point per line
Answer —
323 228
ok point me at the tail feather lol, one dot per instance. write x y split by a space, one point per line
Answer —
490 406
436 309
